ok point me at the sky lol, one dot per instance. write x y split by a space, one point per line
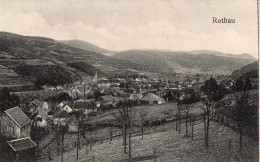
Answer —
179 25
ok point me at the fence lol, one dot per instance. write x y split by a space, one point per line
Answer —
231 144
229 149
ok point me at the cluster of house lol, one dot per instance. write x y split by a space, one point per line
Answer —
99 93
106 91
17 123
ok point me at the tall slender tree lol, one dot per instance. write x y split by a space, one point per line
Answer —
142 115
63 130
241 111
125 117
210 93
80 128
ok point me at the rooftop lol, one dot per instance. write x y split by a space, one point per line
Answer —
18 116
21 144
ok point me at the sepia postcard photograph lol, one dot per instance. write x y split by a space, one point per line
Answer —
129 81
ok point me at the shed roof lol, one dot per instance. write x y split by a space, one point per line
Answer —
137 96
61 114
109 98
18 116
21 144
152 97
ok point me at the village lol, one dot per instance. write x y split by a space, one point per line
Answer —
86 106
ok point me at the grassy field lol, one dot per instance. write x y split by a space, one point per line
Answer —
154 113
171 146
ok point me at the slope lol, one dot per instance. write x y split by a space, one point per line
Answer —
248 70
46 61
87 46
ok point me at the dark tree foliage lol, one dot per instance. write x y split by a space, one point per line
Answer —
64 97
8 101
86 68
45 74
97 94
212 90
170 96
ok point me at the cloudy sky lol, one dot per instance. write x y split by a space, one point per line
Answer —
137 24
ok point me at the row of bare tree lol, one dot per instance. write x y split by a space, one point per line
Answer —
210 94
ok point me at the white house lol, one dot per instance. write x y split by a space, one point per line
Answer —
40 120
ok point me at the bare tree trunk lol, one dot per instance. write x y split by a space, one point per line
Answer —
186 121
130 134
240 139
192 131
91 139
78 145
111 134
86 148
207 132
179 123
154 155
205 128
58 144
84 89
142 131
176 125
125 134
62 146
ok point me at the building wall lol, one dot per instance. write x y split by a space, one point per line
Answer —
26 131
9 128
60 121
42 123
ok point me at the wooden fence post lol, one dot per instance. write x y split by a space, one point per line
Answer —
192 131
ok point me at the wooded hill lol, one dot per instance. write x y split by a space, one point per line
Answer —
250 70
44 61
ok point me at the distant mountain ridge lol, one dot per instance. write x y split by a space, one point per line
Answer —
186 61
218 53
